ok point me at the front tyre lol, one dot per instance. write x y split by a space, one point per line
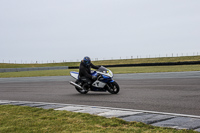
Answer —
113 88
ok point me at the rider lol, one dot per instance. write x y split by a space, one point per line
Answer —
85 70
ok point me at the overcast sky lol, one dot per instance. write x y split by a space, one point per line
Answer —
46 30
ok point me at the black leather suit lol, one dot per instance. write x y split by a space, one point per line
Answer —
85 72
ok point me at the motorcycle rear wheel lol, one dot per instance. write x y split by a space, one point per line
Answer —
113 88
82 91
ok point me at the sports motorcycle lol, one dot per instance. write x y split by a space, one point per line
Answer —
103 82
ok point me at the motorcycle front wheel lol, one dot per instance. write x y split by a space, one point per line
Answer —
113 88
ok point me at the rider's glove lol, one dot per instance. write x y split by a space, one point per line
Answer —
94 77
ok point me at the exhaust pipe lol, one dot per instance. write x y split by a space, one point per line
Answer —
76 85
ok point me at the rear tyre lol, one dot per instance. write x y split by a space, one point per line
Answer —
82 91
113 88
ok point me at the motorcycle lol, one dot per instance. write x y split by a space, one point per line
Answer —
103 82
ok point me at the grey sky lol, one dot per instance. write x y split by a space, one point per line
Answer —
44 30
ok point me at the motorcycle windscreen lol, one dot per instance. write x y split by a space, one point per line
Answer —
74 74
102 69
105 71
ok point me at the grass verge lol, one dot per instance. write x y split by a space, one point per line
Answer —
20 119
116 70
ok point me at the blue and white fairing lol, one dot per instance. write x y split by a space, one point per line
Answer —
104 76
107 75
74 74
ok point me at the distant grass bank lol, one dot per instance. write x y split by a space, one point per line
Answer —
21 119
108 62
115 70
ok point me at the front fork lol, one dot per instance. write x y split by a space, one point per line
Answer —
110 85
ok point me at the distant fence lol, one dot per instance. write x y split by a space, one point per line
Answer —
31 69
100 59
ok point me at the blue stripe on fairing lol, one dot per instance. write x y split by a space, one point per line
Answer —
74 72
112 81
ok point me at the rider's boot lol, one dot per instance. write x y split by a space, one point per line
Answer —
88 86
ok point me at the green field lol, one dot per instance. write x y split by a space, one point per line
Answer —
108 62
23 119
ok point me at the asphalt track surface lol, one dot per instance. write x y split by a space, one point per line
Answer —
174 92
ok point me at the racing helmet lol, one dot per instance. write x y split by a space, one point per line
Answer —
86 60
